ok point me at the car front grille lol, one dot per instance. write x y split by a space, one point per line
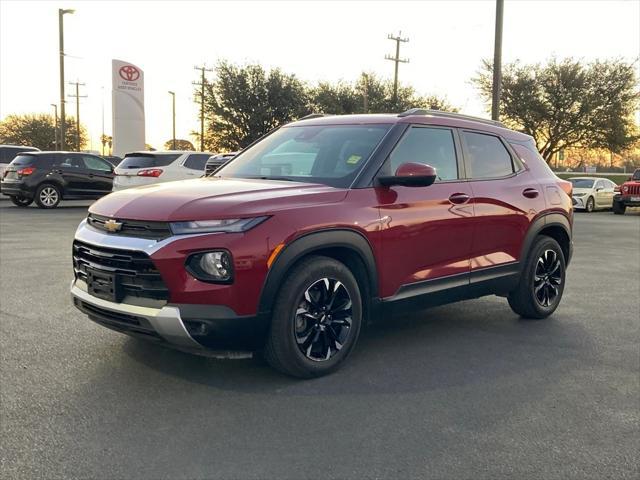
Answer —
633 190
132 228
211 167
134 271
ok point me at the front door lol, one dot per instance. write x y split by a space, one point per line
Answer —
426 231
100 176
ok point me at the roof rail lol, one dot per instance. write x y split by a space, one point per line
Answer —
313 115
440 113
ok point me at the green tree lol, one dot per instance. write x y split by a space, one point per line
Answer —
245 102
38 130
180 145
337 99
565 103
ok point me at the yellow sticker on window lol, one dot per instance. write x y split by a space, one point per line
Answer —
353 159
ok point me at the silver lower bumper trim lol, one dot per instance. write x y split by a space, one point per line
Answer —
166 320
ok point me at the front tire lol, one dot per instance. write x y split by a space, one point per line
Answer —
591 205
48 196
542 283
316 319
20 201
619 208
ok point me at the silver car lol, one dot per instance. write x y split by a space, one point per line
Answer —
592 193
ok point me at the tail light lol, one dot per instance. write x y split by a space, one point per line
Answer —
616 189
566 186
151 172
23 172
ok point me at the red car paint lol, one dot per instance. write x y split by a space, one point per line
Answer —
415 234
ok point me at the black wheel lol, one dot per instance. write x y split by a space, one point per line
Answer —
542 282
619 208
591 205
21 201
316 319
48 196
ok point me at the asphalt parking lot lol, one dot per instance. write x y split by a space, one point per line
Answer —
465 391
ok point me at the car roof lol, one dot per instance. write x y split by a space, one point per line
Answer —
422 117
27 148
163 152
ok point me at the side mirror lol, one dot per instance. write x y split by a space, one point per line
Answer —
599 189
411 175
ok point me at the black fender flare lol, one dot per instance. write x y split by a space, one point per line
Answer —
539 224
309 243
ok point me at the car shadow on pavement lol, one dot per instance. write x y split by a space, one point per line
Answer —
456 345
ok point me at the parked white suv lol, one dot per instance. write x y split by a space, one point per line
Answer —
144 168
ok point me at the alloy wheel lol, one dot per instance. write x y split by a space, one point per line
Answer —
323 319
547 278
49 196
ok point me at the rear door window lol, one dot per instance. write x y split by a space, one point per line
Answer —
197 161
487 156
147 160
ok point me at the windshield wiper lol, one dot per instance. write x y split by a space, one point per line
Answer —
286 179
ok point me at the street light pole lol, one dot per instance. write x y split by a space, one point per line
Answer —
497 63
61 13
173 104
55 116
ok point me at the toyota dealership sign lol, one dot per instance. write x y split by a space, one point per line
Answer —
128 107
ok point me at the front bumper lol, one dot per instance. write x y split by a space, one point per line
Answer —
628 200
579 203
211 330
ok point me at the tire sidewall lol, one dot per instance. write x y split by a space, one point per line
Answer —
545 243
287 302
591 205
19 201
42 187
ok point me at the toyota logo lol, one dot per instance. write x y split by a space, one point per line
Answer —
129 73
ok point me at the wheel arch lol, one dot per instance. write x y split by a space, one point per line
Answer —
554 225
345 245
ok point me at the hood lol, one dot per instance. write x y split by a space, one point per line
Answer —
212 198
579 191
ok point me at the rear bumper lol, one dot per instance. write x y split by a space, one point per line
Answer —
201 329
16 189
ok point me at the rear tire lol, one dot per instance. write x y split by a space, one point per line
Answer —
591 205
48 195
316 319
542 282
619 208
21 201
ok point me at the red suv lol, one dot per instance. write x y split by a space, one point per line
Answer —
627 194
322 225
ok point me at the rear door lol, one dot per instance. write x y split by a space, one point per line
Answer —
100 181
506 198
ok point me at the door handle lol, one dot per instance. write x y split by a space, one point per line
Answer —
530 192
459 198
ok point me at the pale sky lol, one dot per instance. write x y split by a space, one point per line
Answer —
328 40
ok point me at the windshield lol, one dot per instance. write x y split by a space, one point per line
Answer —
581 182
146 160
636 175
328 154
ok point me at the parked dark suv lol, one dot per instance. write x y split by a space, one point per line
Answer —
48 177
323 224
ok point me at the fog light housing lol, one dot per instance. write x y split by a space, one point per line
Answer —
215 266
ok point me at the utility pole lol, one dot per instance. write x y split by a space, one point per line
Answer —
497 63
397 60
55 116
61 13
173 103
365 94
201 85
77 96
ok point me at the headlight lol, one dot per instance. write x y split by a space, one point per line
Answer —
212 226
214 266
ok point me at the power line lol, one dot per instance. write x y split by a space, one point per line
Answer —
77 96
397 60
201 84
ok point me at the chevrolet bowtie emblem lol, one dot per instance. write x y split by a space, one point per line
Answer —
112 226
